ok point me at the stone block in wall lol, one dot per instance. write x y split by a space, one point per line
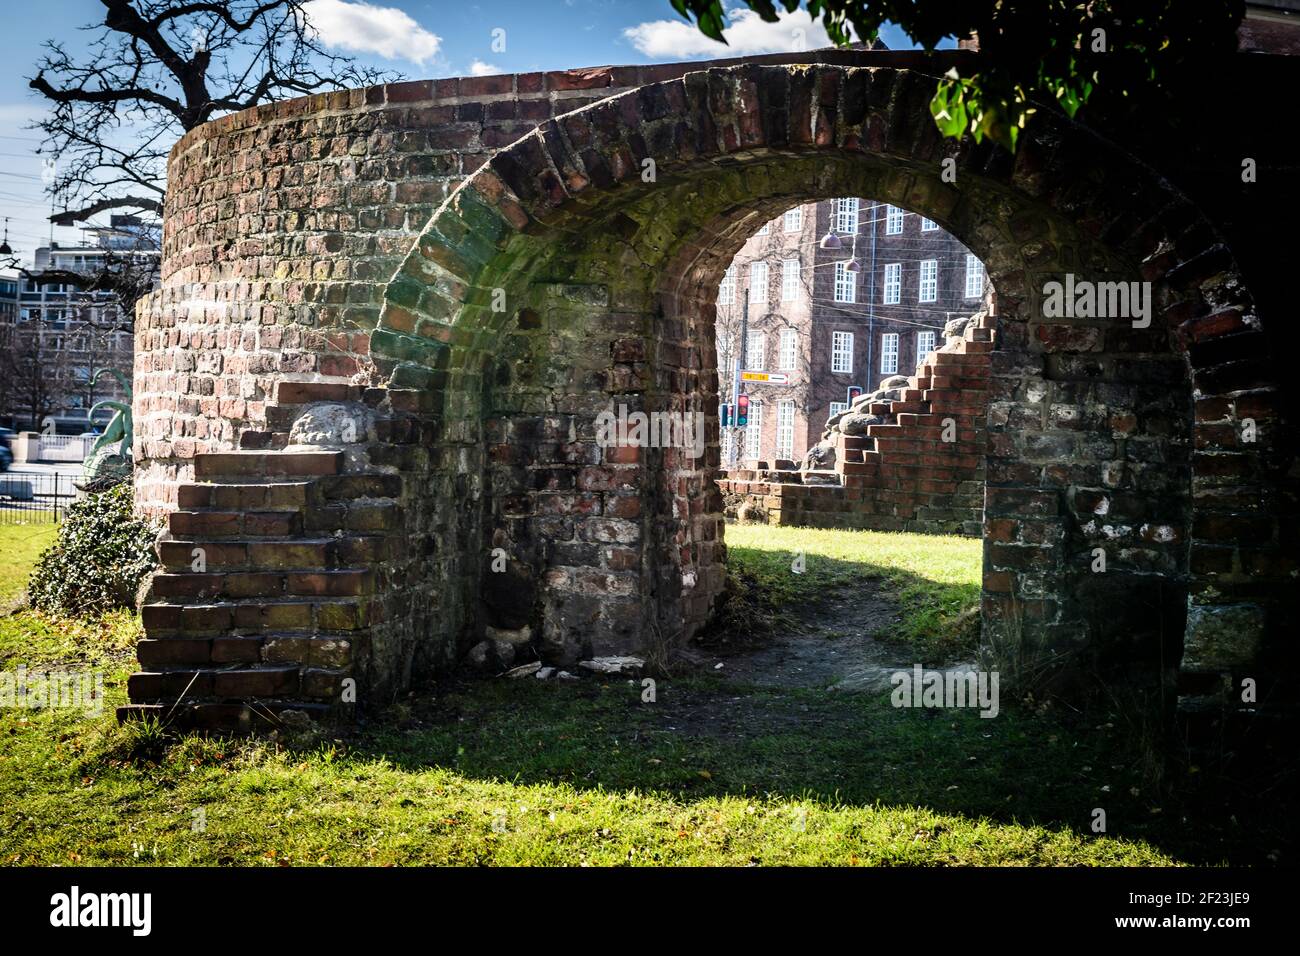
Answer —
1221 637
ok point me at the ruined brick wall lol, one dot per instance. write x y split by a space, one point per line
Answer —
285 222
274 275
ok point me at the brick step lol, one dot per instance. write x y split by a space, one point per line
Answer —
254 465
235 524
855 441
299 554
879 431
192 587
969 347
264 680
913 394
281 496
880 408
963 382
256 614
909 408
312 650
263 441
979 333
955 359
852 454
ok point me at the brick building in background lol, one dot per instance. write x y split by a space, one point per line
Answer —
827 326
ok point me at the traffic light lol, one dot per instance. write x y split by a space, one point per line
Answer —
724 416
854 392
742 411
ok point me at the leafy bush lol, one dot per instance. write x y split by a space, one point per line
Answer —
102 555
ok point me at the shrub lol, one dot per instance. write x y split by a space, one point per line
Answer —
102 554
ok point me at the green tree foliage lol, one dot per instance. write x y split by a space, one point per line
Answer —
1034 53
102 555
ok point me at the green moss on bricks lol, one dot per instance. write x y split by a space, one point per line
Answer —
409 348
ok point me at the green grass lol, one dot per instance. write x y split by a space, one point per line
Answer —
936 581
20 544
530 772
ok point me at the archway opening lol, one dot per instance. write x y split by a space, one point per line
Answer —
578 273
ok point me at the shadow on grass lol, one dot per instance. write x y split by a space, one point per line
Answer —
704 737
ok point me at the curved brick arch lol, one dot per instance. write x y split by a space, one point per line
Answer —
1068 202
292 293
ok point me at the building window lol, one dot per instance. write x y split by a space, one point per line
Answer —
924 344
928 225
837 408
764 229
842 352
794 219
754 352
758 282
846 284
726 446
789 357
889 353
754 430
846 216
893 287
893 220
727 288
974 277
789 280
785 430
928 289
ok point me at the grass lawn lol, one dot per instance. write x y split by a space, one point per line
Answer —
532 772
19 546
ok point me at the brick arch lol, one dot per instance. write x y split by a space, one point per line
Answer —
584 252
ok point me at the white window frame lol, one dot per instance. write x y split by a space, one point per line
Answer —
785 429
846 215
788 356
837 408
792 221
727 287
889 353
756 348
929 225
893 221
789 280
974 276
927 287
846 282
754 431
892 288
924 344
842 353
758 282
764 229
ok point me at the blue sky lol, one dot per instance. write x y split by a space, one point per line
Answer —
418 38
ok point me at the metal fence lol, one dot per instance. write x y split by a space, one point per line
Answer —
35 499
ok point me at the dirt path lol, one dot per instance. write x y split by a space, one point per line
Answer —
833 651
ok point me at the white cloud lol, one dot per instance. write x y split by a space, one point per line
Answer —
747 34
366 28
479 68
